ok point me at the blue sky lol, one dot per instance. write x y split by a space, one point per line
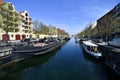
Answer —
70 15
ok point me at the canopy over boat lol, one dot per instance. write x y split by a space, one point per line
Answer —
88 43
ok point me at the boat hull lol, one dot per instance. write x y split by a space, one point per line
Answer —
35 50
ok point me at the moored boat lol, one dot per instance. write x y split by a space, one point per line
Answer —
91 49
67 38
5 53
25 50
115 42
77 40
36 48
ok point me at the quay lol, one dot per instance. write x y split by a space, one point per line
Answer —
112 58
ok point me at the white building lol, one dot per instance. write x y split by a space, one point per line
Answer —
26 30
25 24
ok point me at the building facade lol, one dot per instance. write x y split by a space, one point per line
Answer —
109 22
26 29
22 28
9 22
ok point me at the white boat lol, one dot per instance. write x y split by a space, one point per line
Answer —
77 40
115 42
91 49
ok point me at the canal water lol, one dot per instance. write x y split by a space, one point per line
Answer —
68 62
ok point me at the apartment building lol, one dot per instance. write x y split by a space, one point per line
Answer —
26 29
9 21
21 29
107 22
117 10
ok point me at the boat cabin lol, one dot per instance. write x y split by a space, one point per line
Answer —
91 46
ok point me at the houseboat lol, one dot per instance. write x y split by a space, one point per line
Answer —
36 48
91 49
26 49
5 53
115 42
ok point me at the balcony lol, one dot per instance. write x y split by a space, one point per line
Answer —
26 28
11 14
16 30
26 25
10 7
11 24
26 31
23 19
10 19
16 24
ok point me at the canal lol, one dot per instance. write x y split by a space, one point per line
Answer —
68 62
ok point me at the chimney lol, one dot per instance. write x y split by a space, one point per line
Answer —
1 1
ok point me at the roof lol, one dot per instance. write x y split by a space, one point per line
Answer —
88 43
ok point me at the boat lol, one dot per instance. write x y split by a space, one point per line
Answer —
67 38
91 49
36 48
115 42
5 53
81 40
23 50
77 40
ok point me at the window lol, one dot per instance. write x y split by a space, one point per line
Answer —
22 16
26 14
26 19
12 35
26 23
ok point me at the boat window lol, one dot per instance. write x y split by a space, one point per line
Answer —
88 48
